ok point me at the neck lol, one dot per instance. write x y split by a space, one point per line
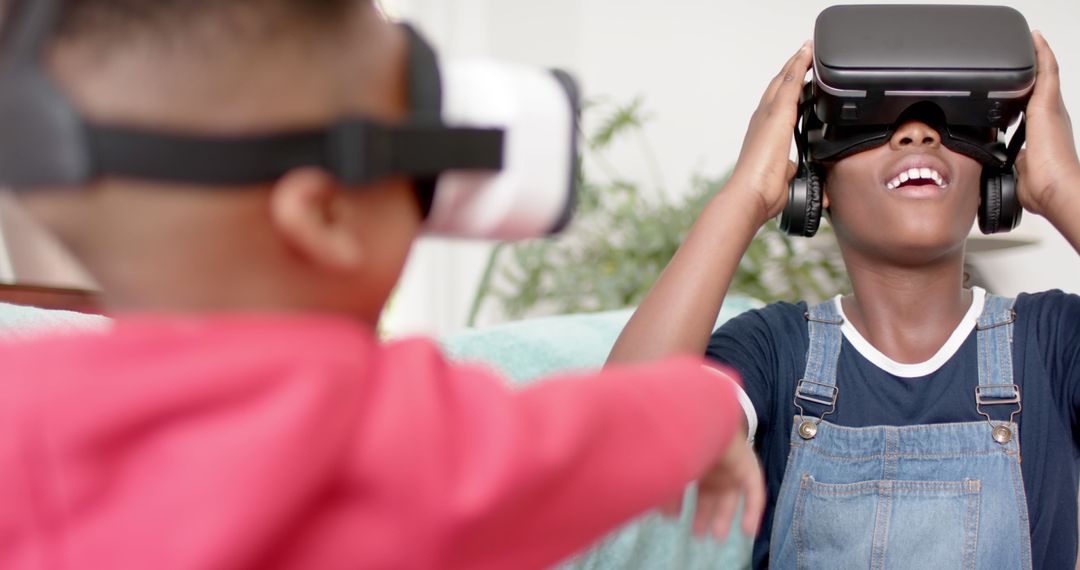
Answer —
172 289
907 312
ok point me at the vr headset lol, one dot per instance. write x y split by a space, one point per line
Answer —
490 147
966 71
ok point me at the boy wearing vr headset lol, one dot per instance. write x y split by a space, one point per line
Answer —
249 418
889 420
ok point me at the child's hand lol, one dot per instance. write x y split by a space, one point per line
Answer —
736 474
763 166
1049 165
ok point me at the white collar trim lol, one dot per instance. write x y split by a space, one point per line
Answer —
919 369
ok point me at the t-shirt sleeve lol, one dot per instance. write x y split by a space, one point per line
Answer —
523 478
748 345
1056 322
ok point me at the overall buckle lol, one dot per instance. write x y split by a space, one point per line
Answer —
1000 432
808 428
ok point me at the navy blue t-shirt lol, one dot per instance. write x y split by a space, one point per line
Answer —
768 348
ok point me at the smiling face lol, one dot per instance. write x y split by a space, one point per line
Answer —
909 202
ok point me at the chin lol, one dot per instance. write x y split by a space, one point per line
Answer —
907 244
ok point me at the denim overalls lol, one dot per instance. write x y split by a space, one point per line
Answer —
921 496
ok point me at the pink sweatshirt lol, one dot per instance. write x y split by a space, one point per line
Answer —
301 442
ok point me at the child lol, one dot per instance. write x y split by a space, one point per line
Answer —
906 350
240 413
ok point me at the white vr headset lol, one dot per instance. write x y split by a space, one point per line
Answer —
533 193
491 147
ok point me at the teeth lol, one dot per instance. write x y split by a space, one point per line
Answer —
916 174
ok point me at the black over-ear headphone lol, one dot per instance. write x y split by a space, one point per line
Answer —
802 213
999 204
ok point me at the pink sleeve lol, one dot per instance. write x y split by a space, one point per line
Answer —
505 479
235 452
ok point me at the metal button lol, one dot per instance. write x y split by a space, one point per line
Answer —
1002 435
807 430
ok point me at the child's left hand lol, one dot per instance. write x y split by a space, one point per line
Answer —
1048 167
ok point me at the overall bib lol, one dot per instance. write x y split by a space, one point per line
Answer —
920 496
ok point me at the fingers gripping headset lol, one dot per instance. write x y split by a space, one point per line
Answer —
966 71
489 146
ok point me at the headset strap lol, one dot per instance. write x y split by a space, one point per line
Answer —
354 151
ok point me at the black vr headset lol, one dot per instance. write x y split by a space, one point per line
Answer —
966 71
490 146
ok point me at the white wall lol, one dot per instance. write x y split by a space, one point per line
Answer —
701 66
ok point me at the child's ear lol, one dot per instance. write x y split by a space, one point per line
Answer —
824 199
309 213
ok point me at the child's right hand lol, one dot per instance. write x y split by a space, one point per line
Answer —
763 167
736 474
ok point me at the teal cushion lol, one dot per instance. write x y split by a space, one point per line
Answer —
527 350
17 322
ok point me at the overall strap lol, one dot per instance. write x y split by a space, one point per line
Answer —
994 333
818 384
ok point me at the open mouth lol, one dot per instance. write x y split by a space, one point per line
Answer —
921 176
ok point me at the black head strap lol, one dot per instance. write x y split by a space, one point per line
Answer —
355 151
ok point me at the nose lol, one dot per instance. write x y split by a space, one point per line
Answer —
915 134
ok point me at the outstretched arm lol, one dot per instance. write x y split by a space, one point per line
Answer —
521 479
1049 169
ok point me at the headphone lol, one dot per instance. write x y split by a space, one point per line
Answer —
999 205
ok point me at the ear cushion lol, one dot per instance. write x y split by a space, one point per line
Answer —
814 191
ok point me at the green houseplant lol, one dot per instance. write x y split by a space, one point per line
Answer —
623 235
